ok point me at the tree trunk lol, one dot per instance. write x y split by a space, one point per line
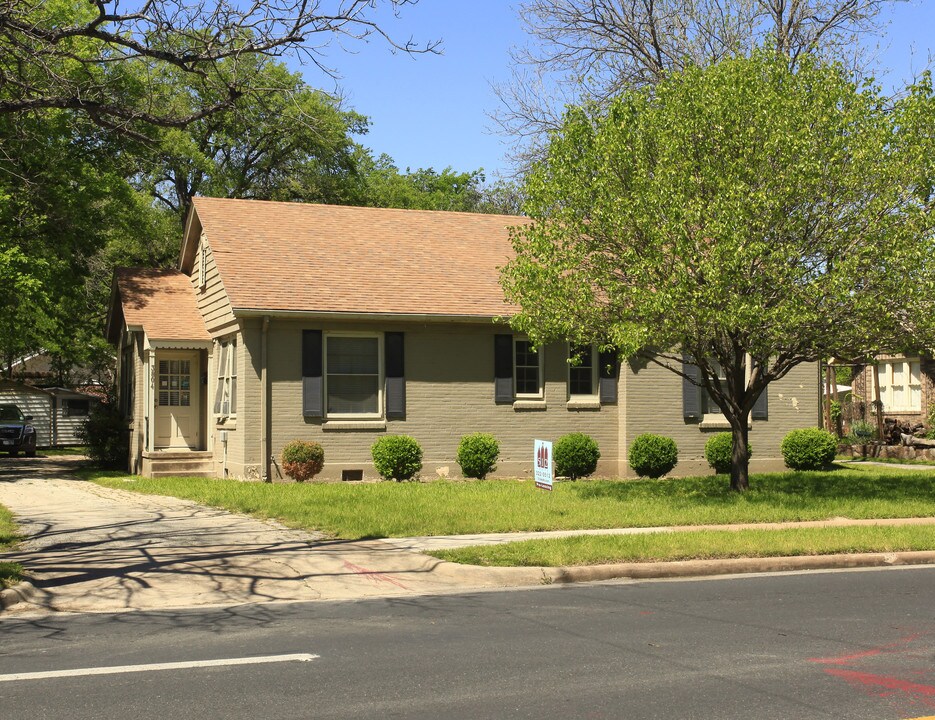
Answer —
739 460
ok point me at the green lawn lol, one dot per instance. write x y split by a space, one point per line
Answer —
444 507
10 573
694 545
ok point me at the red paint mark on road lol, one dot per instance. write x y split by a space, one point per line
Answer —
647 612
890 666
376 577
883 649
884 681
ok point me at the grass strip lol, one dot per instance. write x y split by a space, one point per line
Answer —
443 507
75 450
887 460
10 573
694 545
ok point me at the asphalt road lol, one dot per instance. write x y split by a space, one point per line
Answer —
858 644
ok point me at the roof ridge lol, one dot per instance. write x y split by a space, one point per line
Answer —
365 208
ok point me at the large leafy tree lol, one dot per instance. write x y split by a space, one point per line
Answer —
750 216
286 141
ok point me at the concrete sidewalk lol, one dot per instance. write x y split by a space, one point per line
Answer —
96 549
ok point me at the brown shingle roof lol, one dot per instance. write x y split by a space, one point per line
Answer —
328 258
162 302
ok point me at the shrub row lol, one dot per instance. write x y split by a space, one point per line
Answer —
399 457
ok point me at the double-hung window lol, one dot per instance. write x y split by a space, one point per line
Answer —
900 385
710 410
353 376
225 397
582 371
527 369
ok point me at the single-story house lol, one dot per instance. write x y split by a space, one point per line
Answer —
57 413
337 324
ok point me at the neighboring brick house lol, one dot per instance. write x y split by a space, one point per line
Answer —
341 324
907 386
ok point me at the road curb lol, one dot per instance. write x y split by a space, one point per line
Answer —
700 568
21 592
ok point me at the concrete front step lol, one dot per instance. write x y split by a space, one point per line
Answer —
189 463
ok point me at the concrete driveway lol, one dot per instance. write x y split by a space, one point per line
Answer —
95 549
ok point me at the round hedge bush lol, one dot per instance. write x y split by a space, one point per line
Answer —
575 455
477 455
809 449
653 455
718 449
397 457
302 460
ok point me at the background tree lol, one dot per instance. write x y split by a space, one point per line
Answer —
286 141
749 216
583 51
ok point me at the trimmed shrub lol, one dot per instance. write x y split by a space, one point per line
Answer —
107 437
302 460
397 457
809 449
718 450
575 455
477 455
653 455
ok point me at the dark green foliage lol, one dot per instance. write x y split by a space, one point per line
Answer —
576 455
718 449
302 460
844 374
477 454
809 449
397 457
653 455
107 437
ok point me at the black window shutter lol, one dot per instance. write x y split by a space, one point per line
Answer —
607 377
395 375
312 405
691 402
503 368
761 406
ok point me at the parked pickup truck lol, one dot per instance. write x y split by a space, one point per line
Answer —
16 434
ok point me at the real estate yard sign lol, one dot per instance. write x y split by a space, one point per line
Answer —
543 460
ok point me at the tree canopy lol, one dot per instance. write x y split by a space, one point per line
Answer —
93 56
749 215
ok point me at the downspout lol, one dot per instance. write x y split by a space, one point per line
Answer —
264 401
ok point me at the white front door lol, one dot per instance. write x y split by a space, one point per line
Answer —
177 397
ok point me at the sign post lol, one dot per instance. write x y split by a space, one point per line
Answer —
543 464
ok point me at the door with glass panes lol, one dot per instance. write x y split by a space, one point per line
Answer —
176 401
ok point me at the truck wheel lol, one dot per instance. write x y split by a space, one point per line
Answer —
14 453
30 453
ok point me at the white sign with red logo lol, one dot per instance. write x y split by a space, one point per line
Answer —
543 464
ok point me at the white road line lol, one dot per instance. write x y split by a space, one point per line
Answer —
117 669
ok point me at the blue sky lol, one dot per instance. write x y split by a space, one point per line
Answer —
431 110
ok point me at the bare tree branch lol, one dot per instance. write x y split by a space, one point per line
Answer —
584 51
